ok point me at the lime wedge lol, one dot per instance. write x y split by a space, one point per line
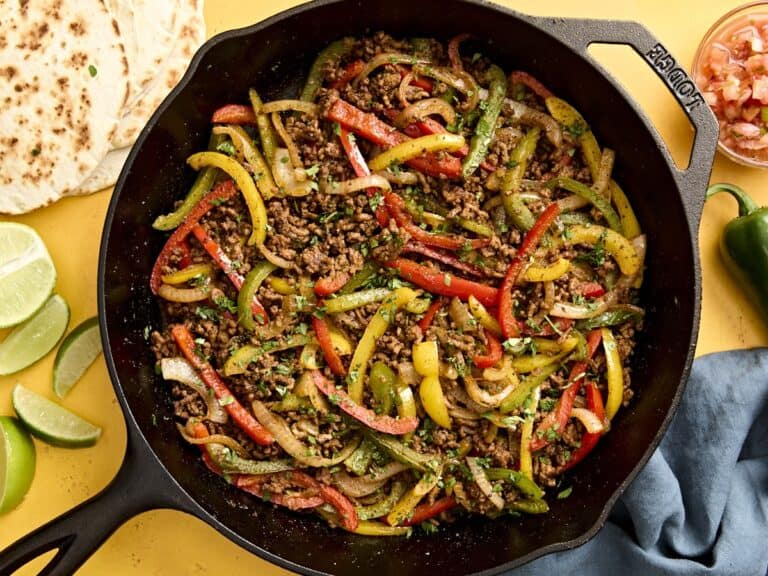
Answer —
77 352
33 339
17 463
27 274
52 423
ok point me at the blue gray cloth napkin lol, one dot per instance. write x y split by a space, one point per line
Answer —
700 505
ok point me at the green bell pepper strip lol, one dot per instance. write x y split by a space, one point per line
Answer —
359 461
610 318
486 125
362 276
383 506
231 463
334 51
253 281
743 245
405 454
238 362
524 484
347 302
290 403
593 197
529 506
516 398
267 133
513 179
202 185
383 383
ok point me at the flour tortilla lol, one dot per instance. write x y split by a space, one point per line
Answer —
63 84
106 173
187 36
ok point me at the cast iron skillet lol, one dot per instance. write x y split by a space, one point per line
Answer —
159 471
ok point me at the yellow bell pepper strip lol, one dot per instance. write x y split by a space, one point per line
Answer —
520 394
482 315
245 421
383 383
202 186
188 273
251 284
238 362
418 306
347 302
526 434
261 172
405 402
550 273
383 506
486 125
281 286
291 402
371 528
365 348
266 130
513 179
614 374
404 454
595 198
331 53
381 423
617 245
629 222
244 183
523 483
525 364
359 461
410 499
414 148
426 361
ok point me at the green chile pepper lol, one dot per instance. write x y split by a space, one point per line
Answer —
744 245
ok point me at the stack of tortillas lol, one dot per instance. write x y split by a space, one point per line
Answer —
79 79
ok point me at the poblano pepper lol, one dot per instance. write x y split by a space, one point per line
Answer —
744 245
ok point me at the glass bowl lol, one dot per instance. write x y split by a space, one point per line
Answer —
731 70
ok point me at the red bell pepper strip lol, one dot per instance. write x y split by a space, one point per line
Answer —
222 192
369 126
208 374
360 168
424 512
353 69
558 418
510 327
255 485
519 77
443 283
323 336
429 316
381 423
234 114
592 290
331 284
225 263
588 440
186 254
492 355
396 206
447 259
423 83
453 50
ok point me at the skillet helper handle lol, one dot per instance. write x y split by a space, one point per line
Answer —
692 181
141 484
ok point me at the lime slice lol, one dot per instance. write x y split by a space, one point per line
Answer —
27 274
77 352
52 423
17 463
33 339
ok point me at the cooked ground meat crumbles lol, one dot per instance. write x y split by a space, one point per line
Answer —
448 335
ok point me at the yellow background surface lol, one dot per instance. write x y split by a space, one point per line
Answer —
166 542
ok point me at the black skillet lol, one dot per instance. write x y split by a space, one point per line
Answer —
159 471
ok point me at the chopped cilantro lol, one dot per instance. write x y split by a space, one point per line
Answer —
207 313
225 303
92 70
312 170
429 528
226 401
563 494
227 148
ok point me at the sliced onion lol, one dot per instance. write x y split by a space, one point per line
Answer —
293 151
387 58
448 371
458 79
460 315
286 105
483 397
273 258
184 295
408 373
591 422
310 428
527 115
402 95
179 370
547 303
357 184
305 387
579 311
277 426
402 177
290 181
462 413
572 203
424 108
220 439
483 483
368 484
607 159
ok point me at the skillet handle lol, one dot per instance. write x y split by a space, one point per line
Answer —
141 484
693 181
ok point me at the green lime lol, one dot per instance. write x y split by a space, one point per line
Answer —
77 352
52 423
17 463
27 274
33 339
